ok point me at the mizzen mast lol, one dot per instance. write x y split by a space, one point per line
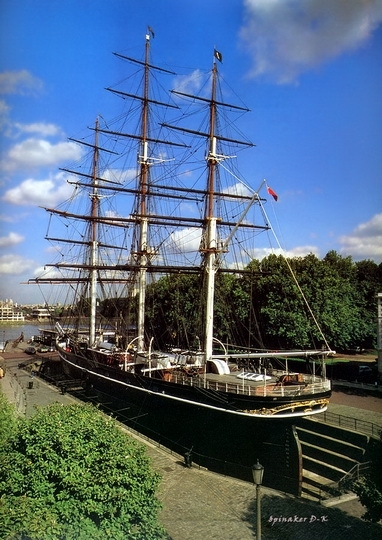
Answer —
209 242
210 248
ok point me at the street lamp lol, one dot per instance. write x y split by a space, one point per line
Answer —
257 473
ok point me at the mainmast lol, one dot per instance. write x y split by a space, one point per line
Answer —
143 248
94 240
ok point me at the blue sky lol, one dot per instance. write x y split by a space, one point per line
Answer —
309 70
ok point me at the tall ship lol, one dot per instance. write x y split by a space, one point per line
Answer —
160 226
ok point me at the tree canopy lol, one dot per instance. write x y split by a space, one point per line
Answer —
264 306
337 295
70 473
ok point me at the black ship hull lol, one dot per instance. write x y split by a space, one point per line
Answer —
210 424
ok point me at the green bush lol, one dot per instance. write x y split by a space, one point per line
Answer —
369 487
8 421
71 473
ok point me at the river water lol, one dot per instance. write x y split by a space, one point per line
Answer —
11 331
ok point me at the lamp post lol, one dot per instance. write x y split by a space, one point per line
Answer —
257 473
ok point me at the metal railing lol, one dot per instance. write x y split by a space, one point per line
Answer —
344 484
250 390
355 424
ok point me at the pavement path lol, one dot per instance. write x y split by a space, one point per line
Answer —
201 505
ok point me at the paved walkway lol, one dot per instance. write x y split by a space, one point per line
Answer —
28 392
364 408
200 505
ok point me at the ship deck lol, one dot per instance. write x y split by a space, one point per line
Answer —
232 383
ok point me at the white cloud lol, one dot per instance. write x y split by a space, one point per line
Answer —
365 241
53 249
119 175
11 240
46 272
239 189
20 82
286 38
185 240
189 84
12 218
4 108
33 153
4 115
48 192
42 128
298 251
14 264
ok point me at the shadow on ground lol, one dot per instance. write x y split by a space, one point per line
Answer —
290 518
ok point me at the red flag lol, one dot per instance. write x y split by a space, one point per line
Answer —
274 195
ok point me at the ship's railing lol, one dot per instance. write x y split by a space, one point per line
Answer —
314 387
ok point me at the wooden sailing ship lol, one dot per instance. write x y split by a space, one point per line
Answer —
229 403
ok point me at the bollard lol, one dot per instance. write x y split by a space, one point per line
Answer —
188 459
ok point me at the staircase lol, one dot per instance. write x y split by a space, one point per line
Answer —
328 454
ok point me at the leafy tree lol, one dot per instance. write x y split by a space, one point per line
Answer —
349 319
340 293
70 473
278 305
369 487
267 310
172 310
232 310
117 307
334 300
175 310
368 284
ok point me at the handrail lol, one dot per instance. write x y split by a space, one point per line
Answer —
344 484
362 426
245 389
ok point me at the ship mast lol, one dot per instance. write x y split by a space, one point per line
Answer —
209 246
141 262
94 240
143 248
